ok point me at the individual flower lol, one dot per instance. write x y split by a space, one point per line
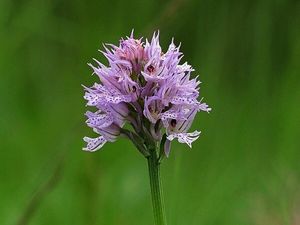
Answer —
147 88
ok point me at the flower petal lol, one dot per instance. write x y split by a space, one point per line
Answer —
171 114
101 98
184 100
187 138
94 144
203 107
99 120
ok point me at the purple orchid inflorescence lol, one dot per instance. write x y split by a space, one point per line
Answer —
147 88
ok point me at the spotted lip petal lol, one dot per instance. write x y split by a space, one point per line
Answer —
94 144
187 138
100 97
97 120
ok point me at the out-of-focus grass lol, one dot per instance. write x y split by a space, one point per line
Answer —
243 170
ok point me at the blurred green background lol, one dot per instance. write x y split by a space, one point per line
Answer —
243 170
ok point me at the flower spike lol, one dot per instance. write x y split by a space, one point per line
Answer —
147 88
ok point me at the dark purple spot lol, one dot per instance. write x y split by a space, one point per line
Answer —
150 69
173 122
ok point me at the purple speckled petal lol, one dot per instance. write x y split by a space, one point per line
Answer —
94 144
187 138
96 120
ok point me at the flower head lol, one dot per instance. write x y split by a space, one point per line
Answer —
147 88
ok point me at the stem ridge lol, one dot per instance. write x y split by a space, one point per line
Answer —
156 188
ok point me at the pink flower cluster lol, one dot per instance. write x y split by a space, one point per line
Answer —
147 88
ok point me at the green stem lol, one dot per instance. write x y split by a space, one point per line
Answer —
156 188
